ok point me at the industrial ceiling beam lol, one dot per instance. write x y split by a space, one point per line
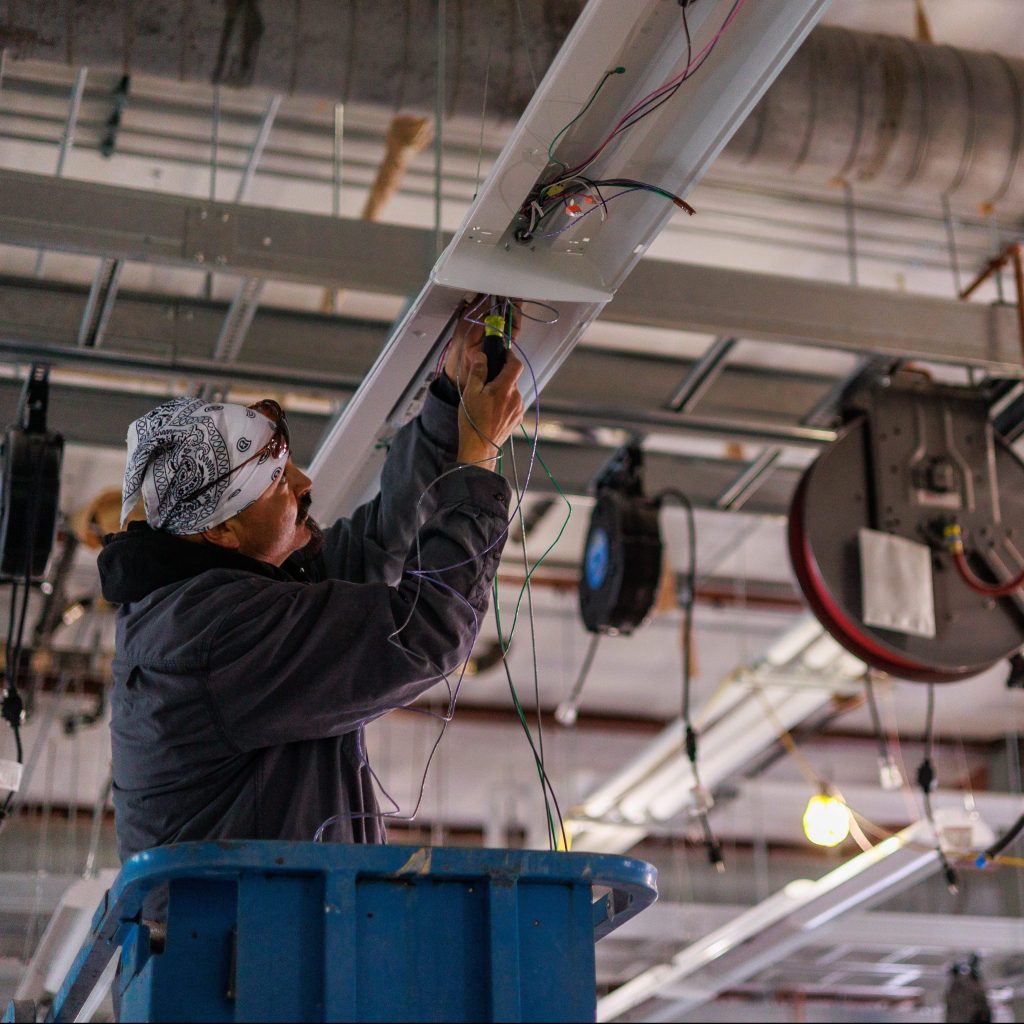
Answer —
290 340
100 416
766 307
105 220
254 375
41 211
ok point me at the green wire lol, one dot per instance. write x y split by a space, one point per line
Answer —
536 565
593 96
505 642
541 774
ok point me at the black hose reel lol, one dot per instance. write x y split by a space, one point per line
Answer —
622 554
30 485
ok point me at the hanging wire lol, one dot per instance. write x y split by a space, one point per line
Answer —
528 587
703 800
926 779
439 98
876 721
893 736
483 111
954 256
567 711
526 44
558 837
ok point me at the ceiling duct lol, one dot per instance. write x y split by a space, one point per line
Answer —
874 111
891 113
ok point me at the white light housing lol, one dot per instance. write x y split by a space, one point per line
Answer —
578 270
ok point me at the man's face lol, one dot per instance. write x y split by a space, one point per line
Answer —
278 522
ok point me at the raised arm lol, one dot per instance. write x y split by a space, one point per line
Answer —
317 659
373 543
310 661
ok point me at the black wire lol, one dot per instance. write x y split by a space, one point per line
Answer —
929 723
689 74
926 781
545 781
13 705
711 844
1004 841
1000 844
637 116
672 92
528 584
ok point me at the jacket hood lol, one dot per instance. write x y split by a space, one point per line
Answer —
140 560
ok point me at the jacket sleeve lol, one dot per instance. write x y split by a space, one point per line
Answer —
372 544
296 661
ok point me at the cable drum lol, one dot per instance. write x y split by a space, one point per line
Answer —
874 478
621 563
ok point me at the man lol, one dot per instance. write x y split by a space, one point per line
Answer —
251 648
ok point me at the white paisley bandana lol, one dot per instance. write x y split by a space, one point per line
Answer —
185 444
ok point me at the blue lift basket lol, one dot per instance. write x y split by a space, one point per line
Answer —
276 931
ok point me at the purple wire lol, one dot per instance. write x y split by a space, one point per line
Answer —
671 83
427 575
594 209
445 719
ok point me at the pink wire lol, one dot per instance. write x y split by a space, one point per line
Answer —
671 83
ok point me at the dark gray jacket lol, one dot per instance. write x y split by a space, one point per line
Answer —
241 689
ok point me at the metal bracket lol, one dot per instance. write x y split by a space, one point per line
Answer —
209 235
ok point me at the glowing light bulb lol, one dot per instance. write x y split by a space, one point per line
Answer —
826 820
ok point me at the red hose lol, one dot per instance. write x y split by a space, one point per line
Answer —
980 586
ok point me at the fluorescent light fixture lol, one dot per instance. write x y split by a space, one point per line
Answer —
658 783
578 270
796 639
774 928
717 948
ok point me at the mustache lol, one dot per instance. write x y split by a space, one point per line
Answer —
316 535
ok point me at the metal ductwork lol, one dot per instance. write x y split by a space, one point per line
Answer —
381 52
890 113
875 111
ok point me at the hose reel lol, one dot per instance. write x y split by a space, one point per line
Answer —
622 553
874 523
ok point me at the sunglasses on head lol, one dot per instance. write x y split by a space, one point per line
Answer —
275 448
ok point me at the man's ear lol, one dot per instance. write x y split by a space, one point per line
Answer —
222 535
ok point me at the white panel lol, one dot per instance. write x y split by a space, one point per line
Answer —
578 270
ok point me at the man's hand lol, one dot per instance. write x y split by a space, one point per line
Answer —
469 338
488 413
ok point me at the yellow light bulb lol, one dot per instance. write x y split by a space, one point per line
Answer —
826 820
